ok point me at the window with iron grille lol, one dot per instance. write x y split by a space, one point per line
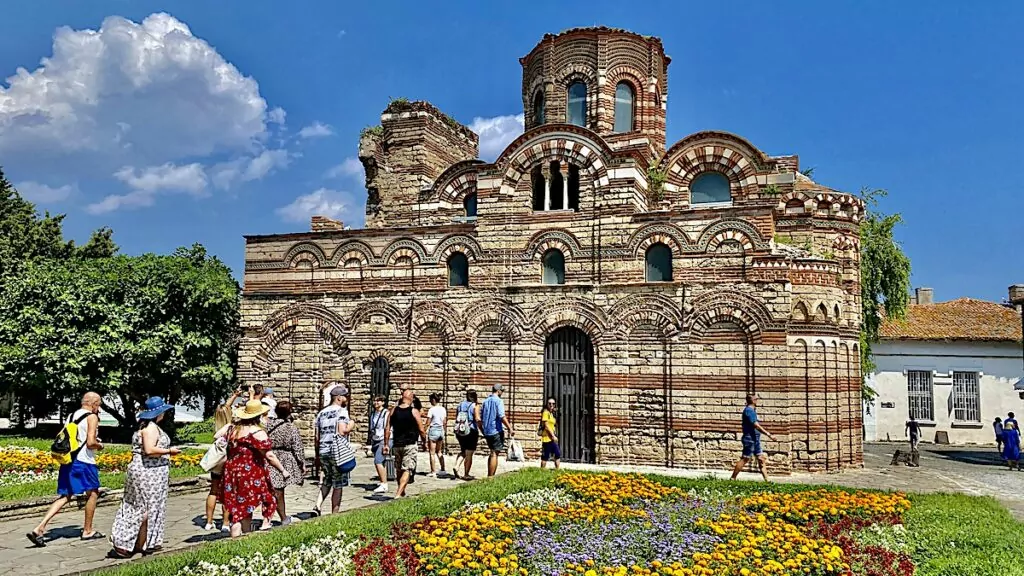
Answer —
966 397
919 393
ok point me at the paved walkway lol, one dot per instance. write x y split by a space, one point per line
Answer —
65 553
968 470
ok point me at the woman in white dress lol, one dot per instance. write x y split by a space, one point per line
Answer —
139 524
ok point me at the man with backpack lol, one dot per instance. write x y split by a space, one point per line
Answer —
75 449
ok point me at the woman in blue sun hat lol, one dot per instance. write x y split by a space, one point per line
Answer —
139 524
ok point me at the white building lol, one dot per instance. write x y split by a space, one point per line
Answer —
952 365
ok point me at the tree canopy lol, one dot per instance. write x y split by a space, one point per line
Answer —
78 318
884 277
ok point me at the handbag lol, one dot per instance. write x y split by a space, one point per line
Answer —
389 468
216 455
343 455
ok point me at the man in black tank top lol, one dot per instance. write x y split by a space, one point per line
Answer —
405 430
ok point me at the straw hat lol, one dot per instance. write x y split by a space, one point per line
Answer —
252 409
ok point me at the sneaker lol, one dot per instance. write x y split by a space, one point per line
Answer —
225 529
209 526
290 520
432 475
382 489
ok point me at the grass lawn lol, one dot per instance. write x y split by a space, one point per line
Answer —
44 444
953 535
114 481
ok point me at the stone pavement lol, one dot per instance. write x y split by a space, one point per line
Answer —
965 469
65 553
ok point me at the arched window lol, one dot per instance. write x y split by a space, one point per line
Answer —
538 186
458 270
624 97
659 263
470 205
554 267
574 188
538 107
795 206
710 187
576 112
558 189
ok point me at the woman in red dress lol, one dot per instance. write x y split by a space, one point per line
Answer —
246 481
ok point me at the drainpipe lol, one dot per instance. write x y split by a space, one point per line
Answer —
1017 299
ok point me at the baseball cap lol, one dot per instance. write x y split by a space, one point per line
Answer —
339 391
496 388
268 391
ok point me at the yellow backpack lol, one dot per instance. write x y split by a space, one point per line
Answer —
66 447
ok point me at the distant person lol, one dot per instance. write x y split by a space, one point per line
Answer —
378 421
1011 445
549 449
328 423
493 426
81 475
221 421
913 431
1012 421
139 524
286 442
246 479
437 418
751 439
467 432
997 426
268 399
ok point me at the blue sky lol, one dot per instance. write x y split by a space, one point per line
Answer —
231 118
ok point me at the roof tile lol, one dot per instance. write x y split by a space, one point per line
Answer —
961 319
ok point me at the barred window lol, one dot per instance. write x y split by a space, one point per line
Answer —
966 397
920 394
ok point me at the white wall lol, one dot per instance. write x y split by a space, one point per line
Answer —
1000 366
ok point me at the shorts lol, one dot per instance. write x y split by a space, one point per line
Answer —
77 478
495 442
332 475
435 433
378 451
752 447
550 451
405 457
468 442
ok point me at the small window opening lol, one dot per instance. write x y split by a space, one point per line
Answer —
538 107
469 204
539 186
576 111
553 267
458 269
574 187
710 187
624 110
795 206
559 192
659 263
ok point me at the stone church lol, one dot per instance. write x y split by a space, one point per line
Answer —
647 287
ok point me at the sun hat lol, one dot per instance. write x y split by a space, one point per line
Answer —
252 409
155 406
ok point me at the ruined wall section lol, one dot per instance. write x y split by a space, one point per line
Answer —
413 145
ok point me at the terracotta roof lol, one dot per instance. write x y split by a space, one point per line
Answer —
961 319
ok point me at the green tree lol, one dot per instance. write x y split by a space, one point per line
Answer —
884 277
131 327
24 234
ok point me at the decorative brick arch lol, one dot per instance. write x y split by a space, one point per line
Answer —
353 249
578 72
567 311
545 240
630 75
404 247
457 243
281 324
801 313
436 314
656 310
457 181
365 311
662 232
495 311
303 252
730 229
734 306
564 142
722 152
393 364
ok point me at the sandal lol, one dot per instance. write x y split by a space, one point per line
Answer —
96 535
36 539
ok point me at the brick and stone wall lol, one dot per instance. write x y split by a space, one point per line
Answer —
763 296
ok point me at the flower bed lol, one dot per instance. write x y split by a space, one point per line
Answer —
615 524
21 464
331 556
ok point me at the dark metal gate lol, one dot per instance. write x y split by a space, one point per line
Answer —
380 383
569 379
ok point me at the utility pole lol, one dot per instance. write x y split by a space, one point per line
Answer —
1017 300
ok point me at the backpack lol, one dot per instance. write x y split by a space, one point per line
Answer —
65 447
462 427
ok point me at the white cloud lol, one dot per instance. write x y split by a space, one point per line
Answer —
136 199
227 174
43 194
321 202
147 94
496 133
166 177
350 167
316 130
